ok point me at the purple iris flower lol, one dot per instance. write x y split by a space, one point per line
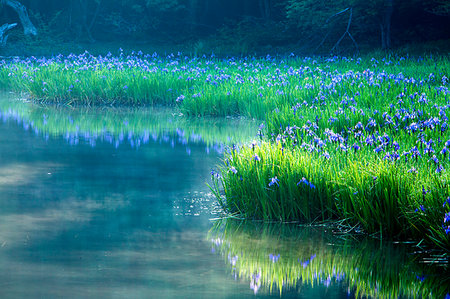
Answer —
274 181
447 202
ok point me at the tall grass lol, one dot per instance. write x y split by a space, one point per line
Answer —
199 86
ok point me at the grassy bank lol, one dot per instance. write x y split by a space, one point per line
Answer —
365 140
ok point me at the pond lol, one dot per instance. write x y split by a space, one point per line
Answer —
113 202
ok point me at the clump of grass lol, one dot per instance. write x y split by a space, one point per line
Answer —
369 147
267 181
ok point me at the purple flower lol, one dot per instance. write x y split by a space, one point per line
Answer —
233 170
180 98
215 175
372 123
434 159
378 149
305 263
413 170
396 145
447 202
233 259
274 181
422 208
421 278
307 183
256 157
447 217
439 169
447 231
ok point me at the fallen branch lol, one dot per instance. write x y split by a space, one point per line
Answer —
347 30
3 29
21 10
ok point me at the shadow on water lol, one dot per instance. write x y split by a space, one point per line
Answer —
112 203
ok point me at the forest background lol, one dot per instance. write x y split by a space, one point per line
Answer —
228 27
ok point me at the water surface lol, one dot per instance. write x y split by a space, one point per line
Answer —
113 203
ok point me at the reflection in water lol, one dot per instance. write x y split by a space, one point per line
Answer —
282 258
104 220
119 126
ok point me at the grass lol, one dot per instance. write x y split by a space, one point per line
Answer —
280 258
360 139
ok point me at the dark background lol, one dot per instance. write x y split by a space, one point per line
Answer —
231 26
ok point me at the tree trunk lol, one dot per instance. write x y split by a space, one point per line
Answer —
78 20
383 36
386 24
264 7
21 10
192 15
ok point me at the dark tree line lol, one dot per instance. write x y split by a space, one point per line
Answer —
309 23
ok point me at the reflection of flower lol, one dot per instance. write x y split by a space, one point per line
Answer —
232 259
255 282
308 261
274 258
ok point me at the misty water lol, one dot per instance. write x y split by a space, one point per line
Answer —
113 203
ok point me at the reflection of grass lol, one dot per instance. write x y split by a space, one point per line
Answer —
270 256
117 125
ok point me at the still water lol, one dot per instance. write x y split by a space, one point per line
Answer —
113 203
